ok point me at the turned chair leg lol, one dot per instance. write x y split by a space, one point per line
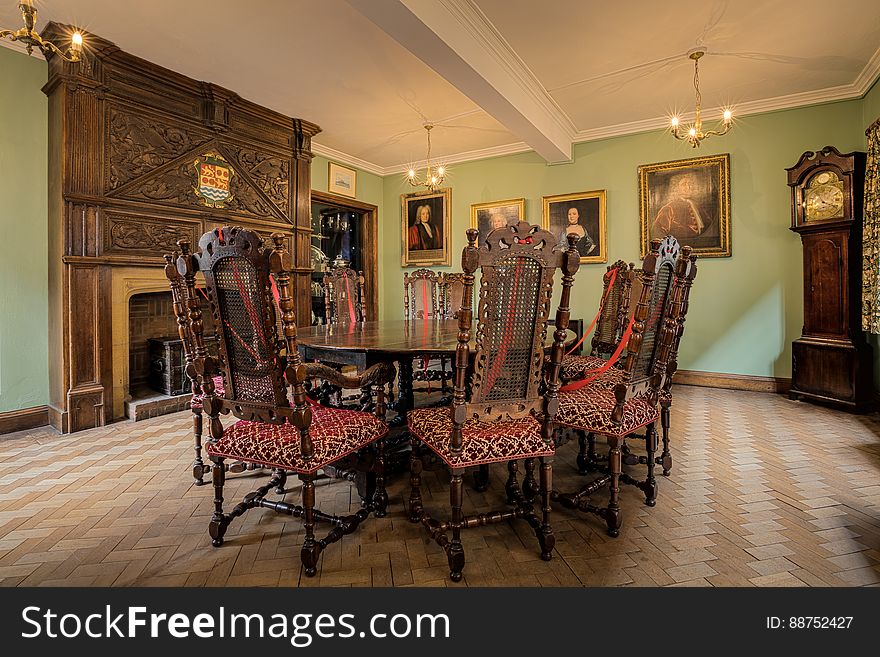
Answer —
455 550
530 486
545 533
665 459
511 486
612 513
380 497
310 549
651 449
198 467
218 525
282 481
415 481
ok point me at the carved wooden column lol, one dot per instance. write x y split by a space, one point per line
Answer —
125 141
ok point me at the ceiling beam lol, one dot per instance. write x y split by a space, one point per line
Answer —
456 39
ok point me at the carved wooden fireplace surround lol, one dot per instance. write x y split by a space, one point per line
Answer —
123 138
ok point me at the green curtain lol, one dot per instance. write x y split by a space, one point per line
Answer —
871 235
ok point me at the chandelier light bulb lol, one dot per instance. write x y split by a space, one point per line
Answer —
674 121
692 132
728 115
411 173
77 39
440 171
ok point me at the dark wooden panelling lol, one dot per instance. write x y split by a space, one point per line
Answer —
128 133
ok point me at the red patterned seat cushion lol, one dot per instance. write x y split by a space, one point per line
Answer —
219 390
335 433
589 409
482 442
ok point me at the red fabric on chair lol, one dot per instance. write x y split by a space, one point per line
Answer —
589 409
483 442
334 432
219 390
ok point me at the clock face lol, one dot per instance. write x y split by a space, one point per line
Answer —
823 197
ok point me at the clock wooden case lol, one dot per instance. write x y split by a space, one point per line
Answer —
831 361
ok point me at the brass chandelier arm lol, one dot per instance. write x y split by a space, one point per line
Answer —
28 36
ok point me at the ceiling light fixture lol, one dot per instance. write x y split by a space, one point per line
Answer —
31 39
693 134
433 178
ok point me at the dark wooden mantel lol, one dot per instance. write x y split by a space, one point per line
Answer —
123 137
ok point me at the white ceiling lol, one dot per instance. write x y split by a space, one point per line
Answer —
580 69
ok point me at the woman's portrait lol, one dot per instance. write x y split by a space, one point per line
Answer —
425 220
582 214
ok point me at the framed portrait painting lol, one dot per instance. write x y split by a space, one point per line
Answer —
341 180
425 228
486 217
688 199
582 214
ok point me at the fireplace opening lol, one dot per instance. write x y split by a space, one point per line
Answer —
157 383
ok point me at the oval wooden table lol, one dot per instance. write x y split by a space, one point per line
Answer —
366 343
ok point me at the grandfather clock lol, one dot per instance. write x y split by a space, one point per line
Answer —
831 361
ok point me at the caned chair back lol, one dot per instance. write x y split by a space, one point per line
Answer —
344 296
451 293
686 272
614 312
420 294
517 267
237 269
653 326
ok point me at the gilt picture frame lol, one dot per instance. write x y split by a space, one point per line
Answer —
582 213
485 217
426 228
688 199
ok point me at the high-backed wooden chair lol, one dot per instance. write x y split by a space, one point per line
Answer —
298 436
631 403
451 292
665 458
499 412
421 294
344 296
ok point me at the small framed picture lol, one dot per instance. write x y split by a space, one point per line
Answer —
425 227
486 217
342 180
688 199
583 214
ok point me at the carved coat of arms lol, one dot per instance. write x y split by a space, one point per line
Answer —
214 174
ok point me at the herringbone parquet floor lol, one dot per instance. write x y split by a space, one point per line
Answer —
765 492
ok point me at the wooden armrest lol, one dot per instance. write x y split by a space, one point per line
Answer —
378 374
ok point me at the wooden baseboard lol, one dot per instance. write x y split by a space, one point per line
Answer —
26 418
732 381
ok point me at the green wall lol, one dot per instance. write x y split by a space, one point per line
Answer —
23 213
746 309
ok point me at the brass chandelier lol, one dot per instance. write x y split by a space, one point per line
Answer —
32 40
433 178
693 134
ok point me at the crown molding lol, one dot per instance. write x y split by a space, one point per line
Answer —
866 79
351 160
